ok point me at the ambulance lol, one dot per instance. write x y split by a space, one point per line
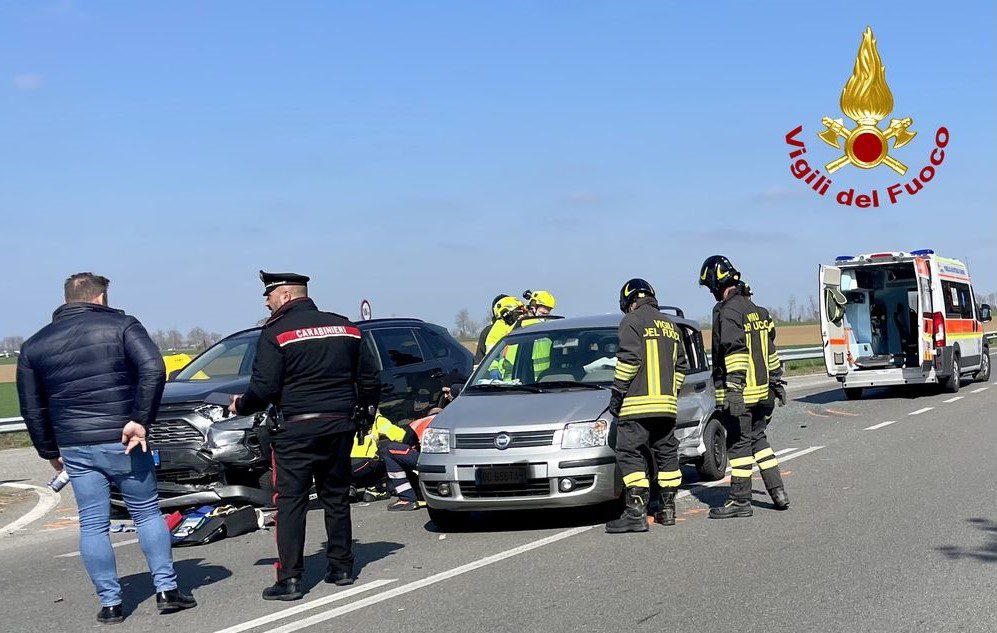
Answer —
897 318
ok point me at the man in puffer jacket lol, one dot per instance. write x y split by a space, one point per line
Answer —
89 384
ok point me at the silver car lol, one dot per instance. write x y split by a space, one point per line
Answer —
531 427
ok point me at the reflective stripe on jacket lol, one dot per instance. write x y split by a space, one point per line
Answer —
744 354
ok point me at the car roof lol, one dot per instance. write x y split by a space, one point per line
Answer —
360 324
610 320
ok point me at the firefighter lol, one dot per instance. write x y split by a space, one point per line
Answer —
480 351
650 368
539 303
747 377
509 311
311 367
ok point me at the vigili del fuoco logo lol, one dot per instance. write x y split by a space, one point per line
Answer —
866 99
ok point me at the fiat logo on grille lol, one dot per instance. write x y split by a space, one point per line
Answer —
502 441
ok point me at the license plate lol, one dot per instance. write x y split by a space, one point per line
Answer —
501 475
155 458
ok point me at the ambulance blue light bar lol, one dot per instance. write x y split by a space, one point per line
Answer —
844 258
923 251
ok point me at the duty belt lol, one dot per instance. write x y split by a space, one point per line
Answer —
306 417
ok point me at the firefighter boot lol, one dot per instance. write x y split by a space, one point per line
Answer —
739 503
773 483
634 517
666 508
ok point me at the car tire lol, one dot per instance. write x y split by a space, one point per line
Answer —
954 382
448 520
853 393
713 464
983 375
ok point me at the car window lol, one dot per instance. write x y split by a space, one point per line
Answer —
958 300
226 359
434 344
694 352
398 347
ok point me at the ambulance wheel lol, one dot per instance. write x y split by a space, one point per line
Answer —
953 382
983 375
853 393
712 465
448 520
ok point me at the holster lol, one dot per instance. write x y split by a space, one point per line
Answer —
275 420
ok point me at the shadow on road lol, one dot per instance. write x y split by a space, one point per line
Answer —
191 574
910 392
316 563
986 553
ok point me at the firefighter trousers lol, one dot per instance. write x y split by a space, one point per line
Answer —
297 462
748 445
657 435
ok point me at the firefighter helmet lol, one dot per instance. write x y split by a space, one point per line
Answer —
509 308
495 307
632 290
718 274
540 298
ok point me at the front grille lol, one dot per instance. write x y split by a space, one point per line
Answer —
532 488
173 433
518 439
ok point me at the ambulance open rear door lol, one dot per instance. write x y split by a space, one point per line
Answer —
833 332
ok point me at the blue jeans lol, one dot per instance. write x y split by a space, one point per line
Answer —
92 470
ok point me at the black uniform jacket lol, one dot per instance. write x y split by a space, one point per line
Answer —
309 362
651 364
743 349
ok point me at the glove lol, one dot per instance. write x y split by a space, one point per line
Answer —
364 420
735 403
615 403
779 391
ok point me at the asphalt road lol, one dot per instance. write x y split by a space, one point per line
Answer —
893 527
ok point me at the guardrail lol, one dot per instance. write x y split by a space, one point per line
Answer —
9 425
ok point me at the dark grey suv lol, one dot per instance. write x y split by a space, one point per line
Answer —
204 457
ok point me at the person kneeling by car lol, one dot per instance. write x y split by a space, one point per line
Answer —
650 369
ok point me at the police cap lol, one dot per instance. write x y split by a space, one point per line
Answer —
273 280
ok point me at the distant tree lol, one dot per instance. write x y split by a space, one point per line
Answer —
213 338
813 309
467 328
197 338
11 343
174 340
779 315
159 338
791 309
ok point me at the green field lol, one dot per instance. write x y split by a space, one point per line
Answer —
8 361
8 400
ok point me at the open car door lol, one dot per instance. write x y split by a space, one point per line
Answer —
925 311
833 332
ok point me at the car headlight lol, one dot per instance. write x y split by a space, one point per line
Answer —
585 434
435 441
212 412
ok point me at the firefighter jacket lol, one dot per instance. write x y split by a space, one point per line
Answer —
743 349
311 362
651 364
383 429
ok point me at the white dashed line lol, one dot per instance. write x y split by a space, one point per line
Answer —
878 426
954 399
118 544
979 390
920 411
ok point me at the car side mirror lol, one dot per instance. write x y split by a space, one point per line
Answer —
985 313
172 374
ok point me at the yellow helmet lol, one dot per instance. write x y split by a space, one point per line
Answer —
507 306
540 298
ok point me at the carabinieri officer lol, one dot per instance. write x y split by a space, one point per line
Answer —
312 367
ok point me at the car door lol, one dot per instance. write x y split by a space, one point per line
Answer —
443 363
832 321
406 382
696 398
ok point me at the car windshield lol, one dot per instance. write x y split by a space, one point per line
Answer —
226 359
547 360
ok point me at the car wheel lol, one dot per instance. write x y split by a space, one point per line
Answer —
983 375
853 393
713 464
954 382
448 520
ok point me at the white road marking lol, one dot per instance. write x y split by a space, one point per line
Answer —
878 426
779 454
920 411
954 399
284 613
47 500
979 390
117 544
425 582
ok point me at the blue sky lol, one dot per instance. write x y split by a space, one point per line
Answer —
431 155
